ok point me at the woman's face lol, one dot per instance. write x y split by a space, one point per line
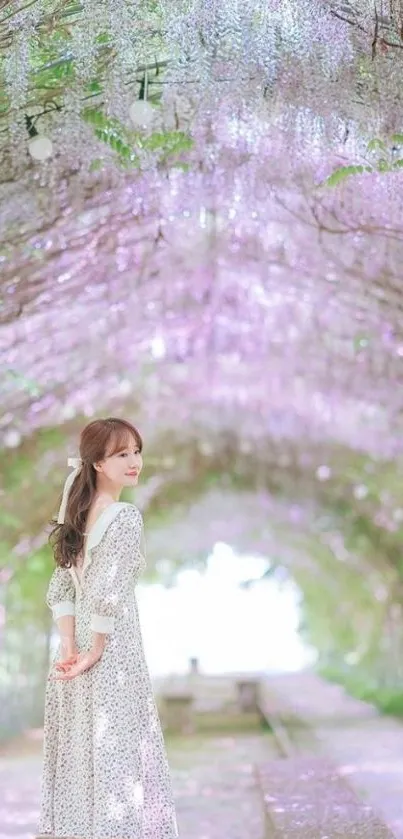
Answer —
123 467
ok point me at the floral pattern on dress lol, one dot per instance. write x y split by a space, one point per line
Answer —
105 771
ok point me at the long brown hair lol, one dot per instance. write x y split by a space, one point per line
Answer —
99 439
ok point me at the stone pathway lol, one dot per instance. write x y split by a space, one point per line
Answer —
213 777
216 788
19 781
367 747
214 784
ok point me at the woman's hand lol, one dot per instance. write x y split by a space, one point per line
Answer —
65 663
83 662
68 651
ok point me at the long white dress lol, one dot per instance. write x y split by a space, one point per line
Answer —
105 771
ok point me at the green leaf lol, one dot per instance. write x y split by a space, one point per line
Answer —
376 143
180 165
172 142
361 341
114 142
398 164
62 70
96 165
345 172
95 117
94 87
383 165
23 382
120 147
397 139
127 163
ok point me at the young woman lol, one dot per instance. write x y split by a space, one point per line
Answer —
105 773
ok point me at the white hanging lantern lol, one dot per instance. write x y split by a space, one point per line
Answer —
40 147
142 114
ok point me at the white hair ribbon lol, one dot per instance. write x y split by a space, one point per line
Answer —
76 463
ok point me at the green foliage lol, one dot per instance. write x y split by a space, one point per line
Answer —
27 497
27 588
17 381
384 163
170 142
361 341
111 132
345 172
375 144
53 72
127 144
338 604
388 700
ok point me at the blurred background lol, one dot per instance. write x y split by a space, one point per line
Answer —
201 232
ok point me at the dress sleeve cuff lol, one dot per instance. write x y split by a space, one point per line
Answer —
99 623
64 608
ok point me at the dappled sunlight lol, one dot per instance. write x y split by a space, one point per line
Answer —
376 767
101 726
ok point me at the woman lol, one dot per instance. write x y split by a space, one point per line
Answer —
105 773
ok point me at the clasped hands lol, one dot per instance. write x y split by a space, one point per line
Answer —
73 663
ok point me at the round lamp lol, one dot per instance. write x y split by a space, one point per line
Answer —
40 148
141 113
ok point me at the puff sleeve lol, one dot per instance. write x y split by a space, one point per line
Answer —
118 567
61 593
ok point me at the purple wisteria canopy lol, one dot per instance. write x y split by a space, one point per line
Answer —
202 224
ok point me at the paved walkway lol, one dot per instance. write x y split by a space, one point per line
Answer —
213 776
367 747
214 784
18 797
216 790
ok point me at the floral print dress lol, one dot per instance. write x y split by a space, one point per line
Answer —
105 771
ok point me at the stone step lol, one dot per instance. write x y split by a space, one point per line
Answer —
306 798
